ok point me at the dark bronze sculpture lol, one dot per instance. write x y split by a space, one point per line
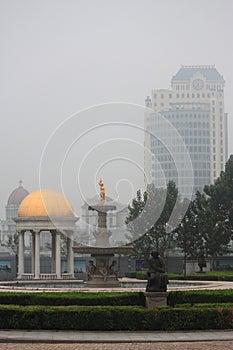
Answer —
157 278
201 261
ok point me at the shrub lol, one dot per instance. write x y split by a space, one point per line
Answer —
114 318
209 276
200 296
75 298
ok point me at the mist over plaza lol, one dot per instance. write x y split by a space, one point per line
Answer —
98 62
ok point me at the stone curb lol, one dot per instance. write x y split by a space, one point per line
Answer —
112 337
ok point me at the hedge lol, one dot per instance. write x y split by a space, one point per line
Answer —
73 298
191 297
211 276
200 296
114 318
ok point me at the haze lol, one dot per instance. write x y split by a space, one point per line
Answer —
59 57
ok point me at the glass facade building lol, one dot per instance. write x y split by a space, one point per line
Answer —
194 108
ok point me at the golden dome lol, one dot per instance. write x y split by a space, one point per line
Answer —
45 203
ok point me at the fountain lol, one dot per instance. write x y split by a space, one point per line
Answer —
102 275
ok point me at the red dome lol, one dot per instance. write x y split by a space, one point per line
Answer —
17 195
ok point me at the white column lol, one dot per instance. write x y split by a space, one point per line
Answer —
70 256
21 254
58 254
37 254
33 252
53 258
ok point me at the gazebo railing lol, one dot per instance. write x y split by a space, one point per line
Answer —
48 276
67 276
28 276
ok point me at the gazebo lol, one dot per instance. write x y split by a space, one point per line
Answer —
45 210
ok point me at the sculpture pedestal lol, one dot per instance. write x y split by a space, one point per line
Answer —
101 278
154 299
97 281
102 257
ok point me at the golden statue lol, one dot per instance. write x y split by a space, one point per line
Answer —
102 190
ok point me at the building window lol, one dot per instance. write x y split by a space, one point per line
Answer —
203 95
198 95
182 95
162 96
170 95
155 95
208 95
162 104
187 95
177 95
193 95
177 87
187 87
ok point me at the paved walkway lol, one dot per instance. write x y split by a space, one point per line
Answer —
47 340
113 337
211 345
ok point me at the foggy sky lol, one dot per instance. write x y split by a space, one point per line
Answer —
59 57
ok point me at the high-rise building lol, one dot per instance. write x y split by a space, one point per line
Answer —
194 106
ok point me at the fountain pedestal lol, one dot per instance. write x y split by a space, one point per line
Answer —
102 252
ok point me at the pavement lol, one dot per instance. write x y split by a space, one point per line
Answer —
69 340
211 345
112 336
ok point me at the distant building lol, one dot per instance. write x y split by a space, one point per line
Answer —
7 225
194 105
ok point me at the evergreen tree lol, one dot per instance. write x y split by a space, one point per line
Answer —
221 196
188 236
148 220
208 222
219 214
